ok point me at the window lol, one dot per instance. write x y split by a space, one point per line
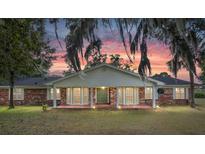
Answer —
76 96
129 96
148 93
180 93
58 97
68 98
18 94
120 95
85 96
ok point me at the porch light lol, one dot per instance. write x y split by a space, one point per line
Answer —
119 107
93 107
103 88
157 106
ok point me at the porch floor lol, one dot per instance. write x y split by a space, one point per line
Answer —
105 106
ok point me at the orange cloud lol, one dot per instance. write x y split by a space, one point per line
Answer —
157 53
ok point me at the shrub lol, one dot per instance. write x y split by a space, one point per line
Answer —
199 95
44 107
160 91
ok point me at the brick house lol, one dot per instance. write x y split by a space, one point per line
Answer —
103 84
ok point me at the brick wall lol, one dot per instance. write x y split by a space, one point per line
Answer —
167 97
94 96
39 96
141 95
33 97
113 95
4 96
63 95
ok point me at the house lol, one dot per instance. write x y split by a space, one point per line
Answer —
100 85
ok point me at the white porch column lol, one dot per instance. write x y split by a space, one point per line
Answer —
154 96
187 93
54 97
71 95
81 95
137 95
91 97
174 93
134 95
123 96
117 99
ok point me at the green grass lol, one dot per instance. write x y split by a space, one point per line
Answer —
166 120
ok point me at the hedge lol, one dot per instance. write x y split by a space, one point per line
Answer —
199 95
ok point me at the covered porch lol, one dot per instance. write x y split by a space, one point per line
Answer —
105 86
105 98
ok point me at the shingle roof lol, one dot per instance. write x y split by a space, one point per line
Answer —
33 81
42 81
168 80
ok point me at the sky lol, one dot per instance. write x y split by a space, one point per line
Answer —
158 53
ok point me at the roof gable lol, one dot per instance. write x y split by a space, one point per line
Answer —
103 75
83 73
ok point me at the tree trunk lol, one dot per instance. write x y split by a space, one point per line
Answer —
11 100
192 102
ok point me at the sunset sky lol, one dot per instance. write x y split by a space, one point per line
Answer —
158 53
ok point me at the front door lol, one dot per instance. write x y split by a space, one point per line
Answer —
102 95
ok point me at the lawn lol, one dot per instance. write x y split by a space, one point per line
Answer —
165 120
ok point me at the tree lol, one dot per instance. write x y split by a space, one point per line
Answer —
127 66
23 50
84 30
163 74
184 40
169 31
96 59
202 66
115 60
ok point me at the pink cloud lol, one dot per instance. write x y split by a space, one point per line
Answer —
158 54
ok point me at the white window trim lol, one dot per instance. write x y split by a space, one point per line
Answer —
151 94
14 97
133 96
58 96
73 96
184 95
82 95
107 91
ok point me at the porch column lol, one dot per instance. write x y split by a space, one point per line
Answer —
91 97
117 99
123 96
187 93
81 95
154 96
71 95
137 95
54 97
134 95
